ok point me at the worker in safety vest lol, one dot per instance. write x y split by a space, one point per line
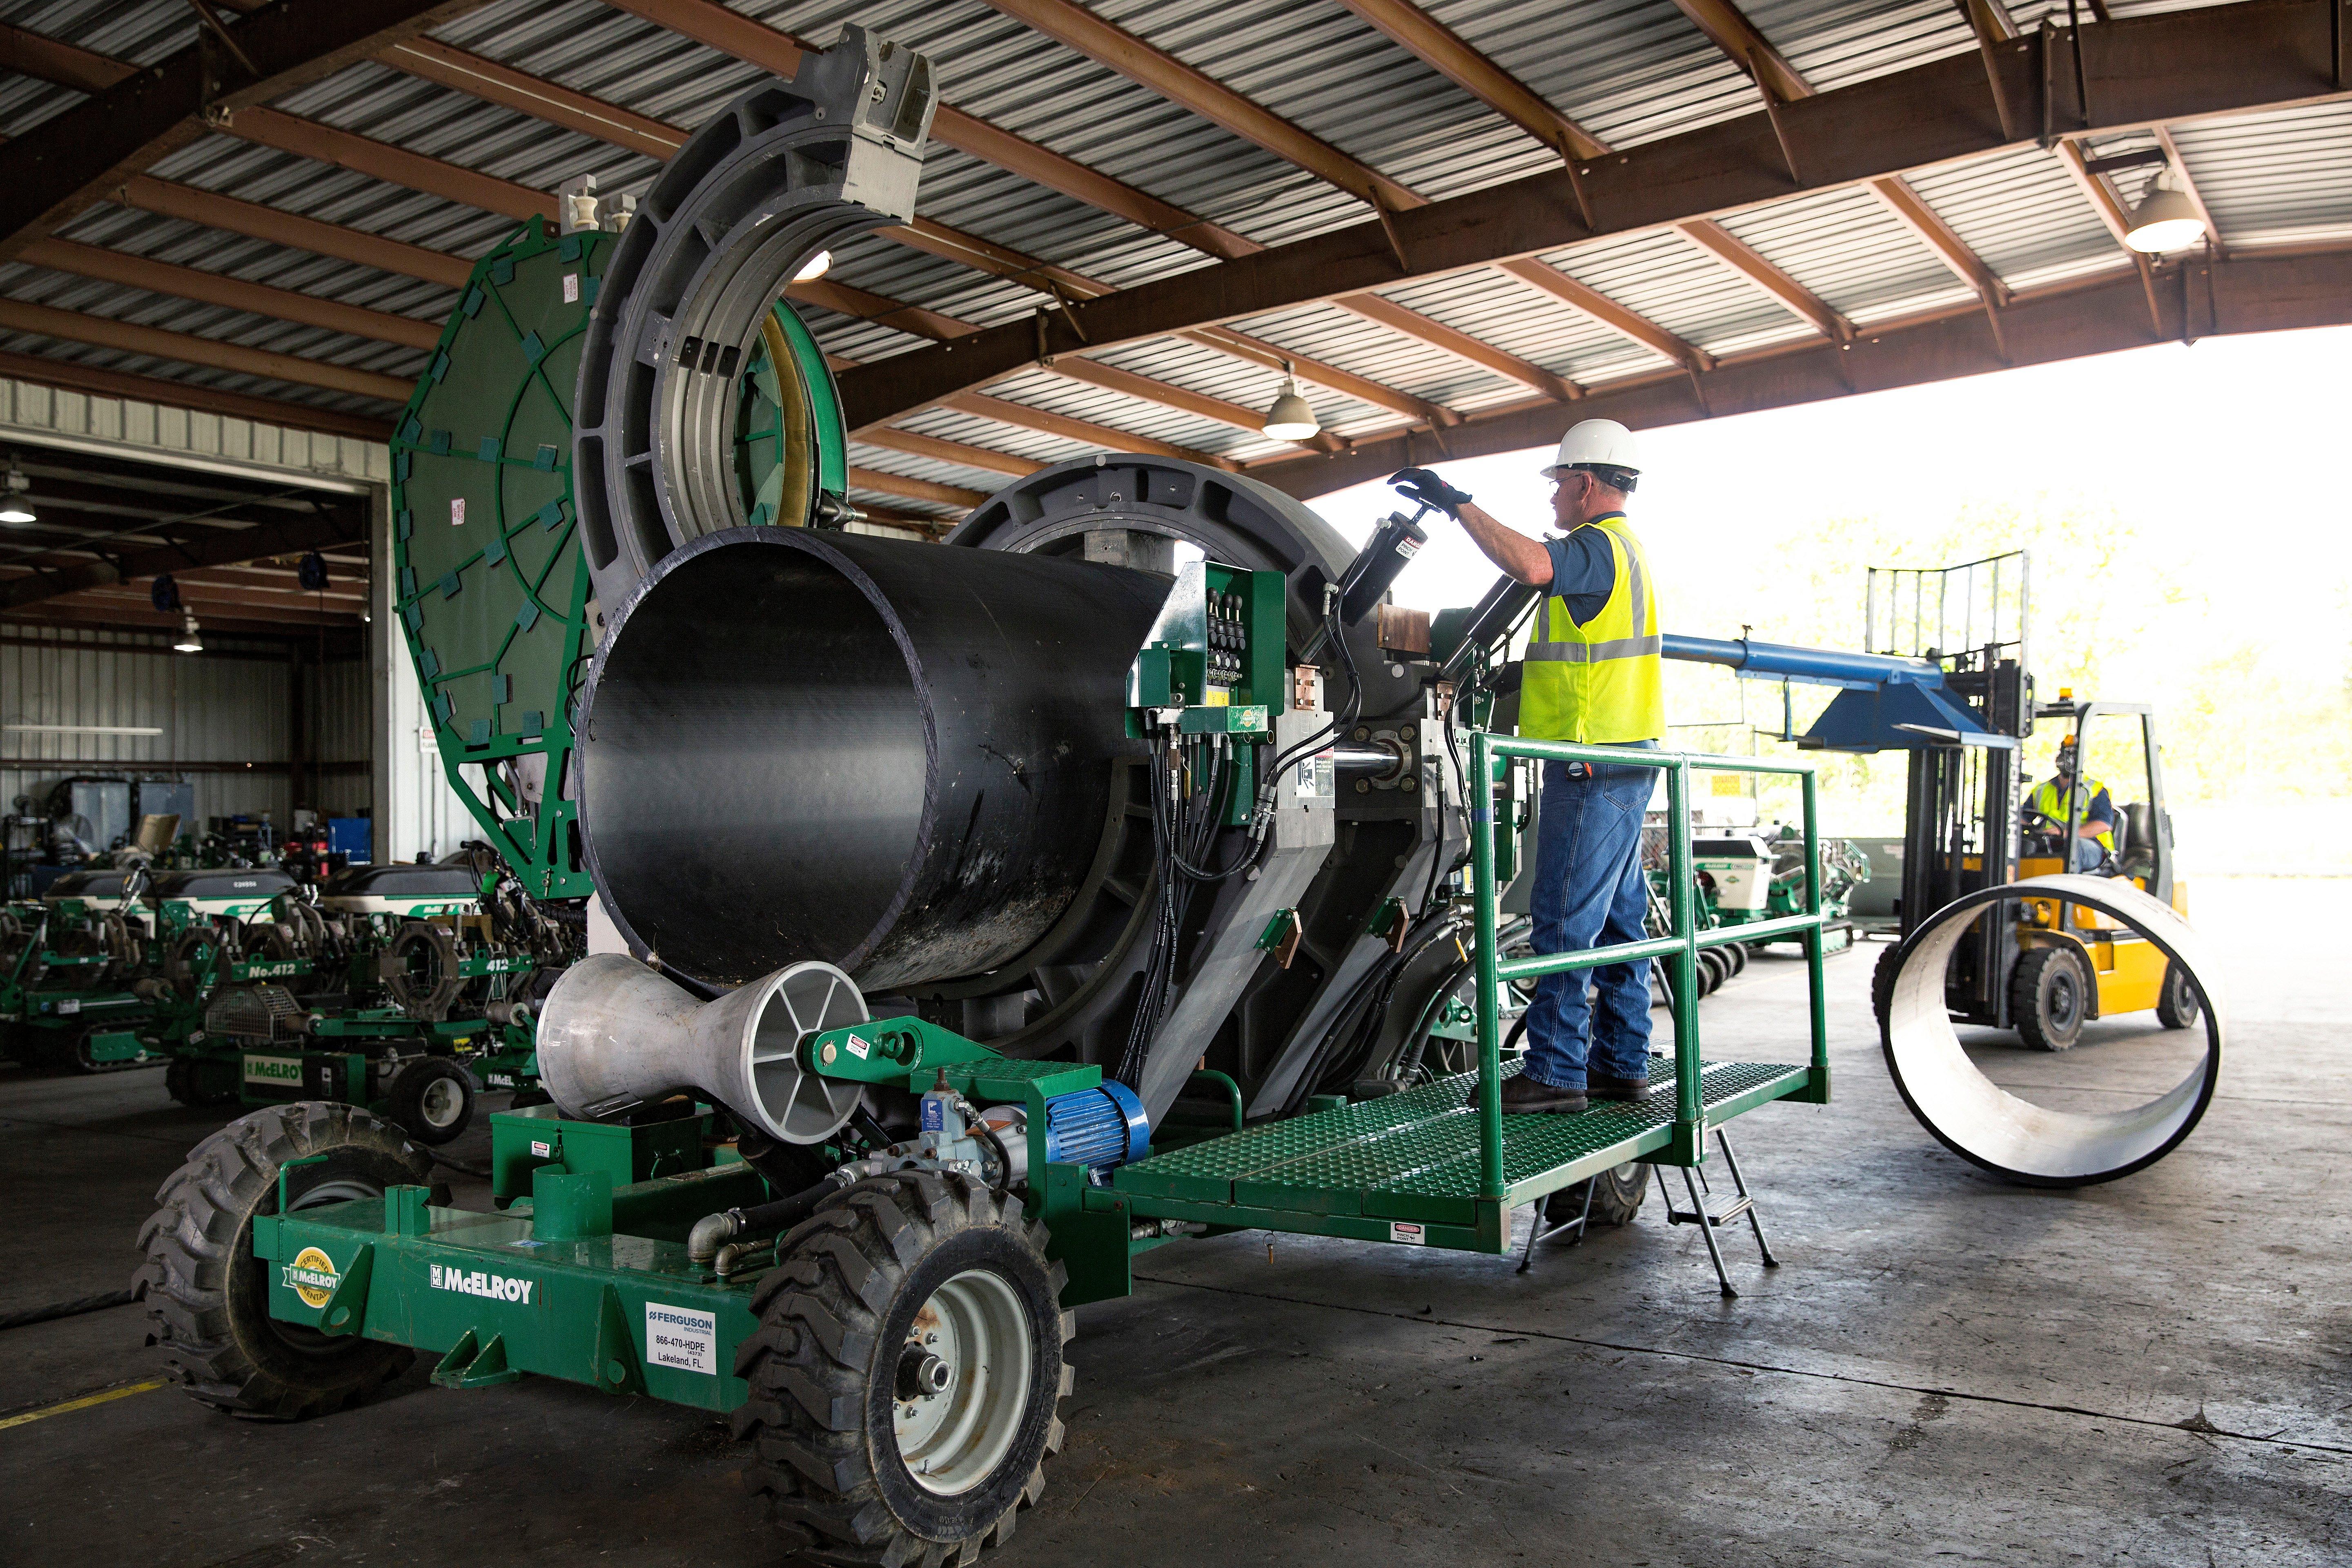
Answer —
1593 675
2085 801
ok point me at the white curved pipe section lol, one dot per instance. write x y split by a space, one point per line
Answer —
1981 1121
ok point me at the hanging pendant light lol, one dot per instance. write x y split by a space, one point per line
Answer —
189 641
2166 219
814 267
1290 419
13 505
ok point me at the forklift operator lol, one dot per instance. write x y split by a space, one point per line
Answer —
2062 796
1592 676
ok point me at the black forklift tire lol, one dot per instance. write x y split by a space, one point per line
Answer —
208 1295
838 1353
2049 997
1617 1196
2177 1003
1882 980
1737 954
431 1099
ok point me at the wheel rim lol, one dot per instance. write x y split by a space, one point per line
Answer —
296 1337
2065 999
442 1103
963 1383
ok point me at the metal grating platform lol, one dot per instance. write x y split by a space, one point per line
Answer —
1414 1156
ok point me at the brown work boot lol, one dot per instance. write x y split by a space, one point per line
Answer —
1523 1096
1607 1086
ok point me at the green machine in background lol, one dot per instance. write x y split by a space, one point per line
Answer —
491 587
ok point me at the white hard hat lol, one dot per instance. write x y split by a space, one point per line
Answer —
1596 443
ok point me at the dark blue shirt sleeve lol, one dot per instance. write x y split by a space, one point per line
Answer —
2101 809
1583 571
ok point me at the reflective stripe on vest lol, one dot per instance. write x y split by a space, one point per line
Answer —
1600 682
2049 802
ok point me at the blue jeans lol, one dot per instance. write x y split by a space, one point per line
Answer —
1589 891
2088 853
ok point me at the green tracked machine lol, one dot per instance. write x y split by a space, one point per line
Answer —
995 913
403 989
96 975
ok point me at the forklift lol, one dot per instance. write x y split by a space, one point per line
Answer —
1945 679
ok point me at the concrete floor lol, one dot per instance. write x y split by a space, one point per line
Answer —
2151 1372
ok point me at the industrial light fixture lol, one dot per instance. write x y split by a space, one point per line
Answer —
189 641
1290 419
13 506
2166 219
814 267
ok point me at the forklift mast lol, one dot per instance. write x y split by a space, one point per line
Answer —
1961 813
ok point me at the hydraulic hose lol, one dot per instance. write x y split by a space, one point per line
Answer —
713 1231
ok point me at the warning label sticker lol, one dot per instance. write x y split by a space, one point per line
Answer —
1412 1235
682 1338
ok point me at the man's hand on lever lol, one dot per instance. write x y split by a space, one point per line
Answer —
1523 558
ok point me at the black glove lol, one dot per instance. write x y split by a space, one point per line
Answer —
1423 486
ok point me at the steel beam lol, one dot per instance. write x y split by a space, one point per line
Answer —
67 162
1084 431
1453 57
2188 187
916 490
1728 248
1200 404
1617 318
2271 291
1461 345
729 32
1119 50
102 332
984 459
1781 82
191 205
329 526
1274 356
2165 67
478 77
233 293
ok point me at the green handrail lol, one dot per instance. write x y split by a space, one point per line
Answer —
1679 947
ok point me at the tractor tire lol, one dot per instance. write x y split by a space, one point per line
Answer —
1737 954
2177 1004
208 1295
2049 997
431 1099
1617 1196
874 1328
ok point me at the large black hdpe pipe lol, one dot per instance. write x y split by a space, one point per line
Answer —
887 756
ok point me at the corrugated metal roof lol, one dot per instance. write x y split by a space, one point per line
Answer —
2273 179
2023 215
1666 280
1850 252
1835 43
1628 71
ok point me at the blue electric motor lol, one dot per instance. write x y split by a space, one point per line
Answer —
1099 1127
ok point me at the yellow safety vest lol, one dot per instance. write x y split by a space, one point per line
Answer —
1601 683
2049 802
